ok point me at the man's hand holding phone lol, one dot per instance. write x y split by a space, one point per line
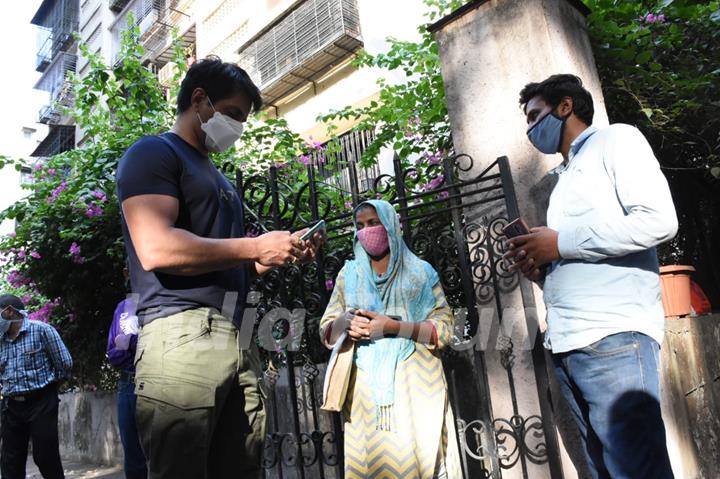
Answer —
531 249
312 239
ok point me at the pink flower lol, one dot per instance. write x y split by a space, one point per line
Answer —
93 211
305 159
37 166
74 248
329 284
35 255
348 205
26 298
51 171
72 317
443 195
21 253
56 192
436 182
100 195
78 259
17 279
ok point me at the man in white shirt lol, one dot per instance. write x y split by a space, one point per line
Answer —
610 208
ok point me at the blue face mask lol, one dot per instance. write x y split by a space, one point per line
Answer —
547 133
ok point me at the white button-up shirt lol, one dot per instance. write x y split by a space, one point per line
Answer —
611 207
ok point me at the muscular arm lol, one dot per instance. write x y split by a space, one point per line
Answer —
162 247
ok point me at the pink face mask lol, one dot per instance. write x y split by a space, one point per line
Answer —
374 239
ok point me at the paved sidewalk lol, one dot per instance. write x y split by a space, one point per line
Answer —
76 470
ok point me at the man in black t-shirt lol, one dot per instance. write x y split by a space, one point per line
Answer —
199 410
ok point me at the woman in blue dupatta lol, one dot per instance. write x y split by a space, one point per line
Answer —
398 422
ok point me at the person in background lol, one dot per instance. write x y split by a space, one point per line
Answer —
120 351
33 360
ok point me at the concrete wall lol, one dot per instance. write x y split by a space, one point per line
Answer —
691 395
88 428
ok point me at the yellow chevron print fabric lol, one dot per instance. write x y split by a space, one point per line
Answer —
422 444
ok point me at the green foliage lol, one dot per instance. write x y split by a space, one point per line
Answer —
68 246
660 70
410 117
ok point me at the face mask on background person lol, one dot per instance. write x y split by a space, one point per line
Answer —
221 131
6 323
546 134
374 240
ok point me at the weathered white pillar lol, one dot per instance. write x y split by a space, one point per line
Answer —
489 50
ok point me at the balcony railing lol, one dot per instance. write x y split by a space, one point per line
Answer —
155 19
117 5
54 80
302 46
50 114
44 54
59 138
60 18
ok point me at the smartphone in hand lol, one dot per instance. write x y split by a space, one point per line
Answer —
317 227
516 227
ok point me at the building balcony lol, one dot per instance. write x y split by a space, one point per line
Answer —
50 114
44 54
59 138
117 5
155 20
55 80
58 21
301 46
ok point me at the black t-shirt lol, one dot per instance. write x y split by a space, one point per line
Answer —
209 207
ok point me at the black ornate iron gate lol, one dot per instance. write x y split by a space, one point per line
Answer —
452 217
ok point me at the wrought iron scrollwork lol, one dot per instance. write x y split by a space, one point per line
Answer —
512 437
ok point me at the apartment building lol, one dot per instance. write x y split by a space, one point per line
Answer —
56 20
299 52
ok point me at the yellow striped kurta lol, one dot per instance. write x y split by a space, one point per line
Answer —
422 444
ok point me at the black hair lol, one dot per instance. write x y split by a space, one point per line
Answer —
361 207
220 80
557 87
11 300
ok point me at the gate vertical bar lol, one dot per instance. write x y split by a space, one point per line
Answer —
402 199
538 352
290 359
320 272
472 314
352 173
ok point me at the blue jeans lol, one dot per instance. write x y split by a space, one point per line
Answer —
613 389
135 467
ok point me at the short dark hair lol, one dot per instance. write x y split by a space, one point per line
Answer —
11 300
557 87
220 80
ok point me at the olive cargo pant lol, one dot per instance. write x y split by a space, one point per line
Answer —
199 411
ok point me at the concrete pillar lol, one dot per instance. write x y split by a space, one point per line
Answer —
489 50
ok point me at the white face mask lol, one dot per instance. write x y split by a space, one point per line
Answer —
221 131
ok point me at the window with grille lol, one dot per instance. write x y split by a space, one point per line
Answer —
302 46
335 167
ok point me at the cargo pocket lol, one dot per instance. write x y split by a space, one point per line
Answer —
180 393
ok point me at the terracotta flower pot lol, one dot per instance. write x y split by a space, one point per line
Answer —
675 284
